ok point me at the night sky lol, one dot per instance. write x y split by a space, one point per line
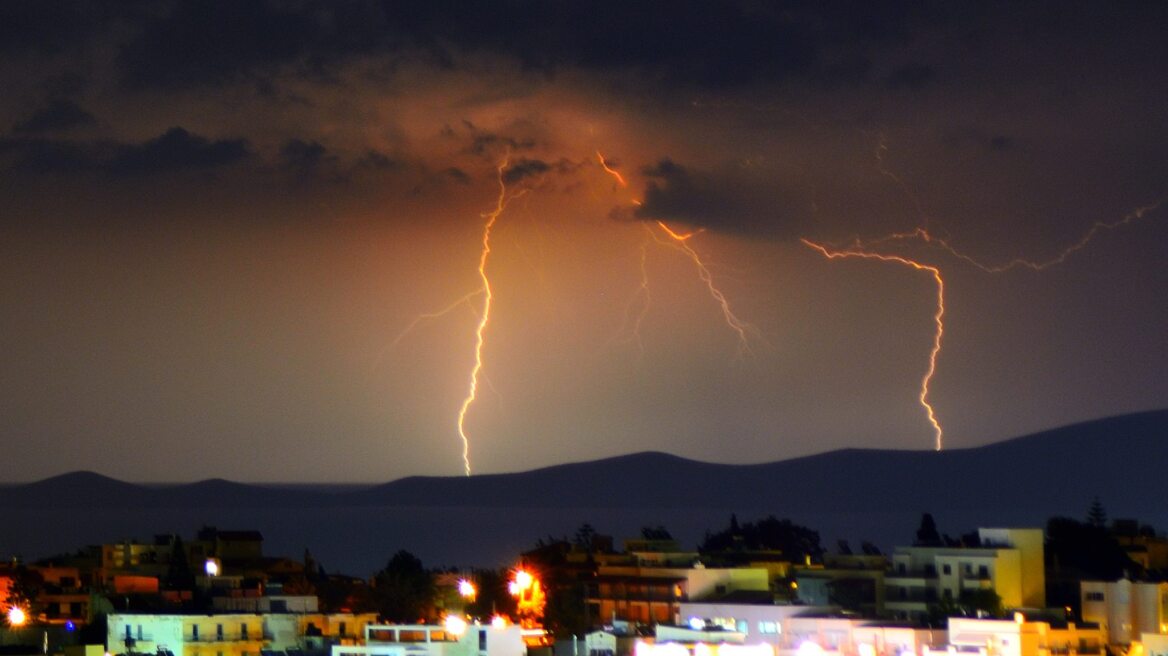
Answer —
219 222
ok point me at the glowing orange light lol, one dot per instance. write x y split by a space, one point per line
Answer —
484 317
17 616
833 254
529 597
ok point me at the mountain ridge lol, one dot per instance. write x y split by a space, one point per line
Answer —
1115 458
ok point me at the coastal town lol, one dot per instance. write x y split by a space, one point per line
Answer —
763 587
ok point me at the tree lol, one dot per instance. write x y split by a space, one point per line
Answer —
584 537
23 590
1079 550
1096 515
794 541
404 591
178 572
927 535
656 533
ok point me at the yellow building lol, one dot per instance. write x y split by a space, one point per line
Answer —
231 634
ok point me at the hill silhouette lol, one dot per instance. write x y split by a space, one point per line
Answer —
1117 459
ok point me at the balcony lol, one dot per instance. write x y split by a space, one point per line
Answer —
225 637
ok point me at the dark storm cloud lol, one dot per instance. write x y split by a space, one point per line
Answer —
53 27
487 143
177 150
524 168
200 43
174 150
734 200
710 44
59 115
377 160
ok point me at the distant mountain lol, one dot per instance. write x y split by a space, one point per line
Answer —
1120 459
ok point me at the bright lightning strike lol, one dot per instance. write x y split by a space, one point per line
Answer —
833 254
485 316
678 241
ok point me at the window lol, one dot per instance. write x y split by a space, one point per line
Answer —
983 572
900 568
1094 596
139 631
341 628
194 632
968 568
243 631
946 568
769 628
219 631
482 639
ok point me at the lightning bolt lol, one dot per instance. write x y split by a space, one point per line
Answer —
637 308
860 252
463 300
1035 265
677 240
491 218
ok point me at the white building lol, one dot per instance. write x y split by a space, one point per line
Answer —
758 623
1021 638
1009 562
1125 609
431 640
804 630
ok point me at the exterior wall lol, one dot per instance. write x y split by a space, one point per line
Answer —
1030 544
1155 644
1124 609
654 594
704 582
267 604
186 635
1007 638
426 640
759 624
854 637
1011 564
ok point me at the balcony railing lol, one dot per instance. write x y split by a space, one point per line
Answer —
226 636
